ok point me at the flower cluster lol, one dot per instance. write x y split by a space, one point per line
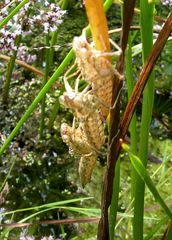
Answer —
48 19
7 46
10 31
36 15
25 237
166 2
23 54
7 40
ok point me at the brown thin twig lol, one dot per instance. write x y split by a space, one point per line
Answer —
132 28
165 235
23 64
52 222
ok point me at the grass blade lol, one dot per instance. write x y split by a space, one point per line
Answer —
114 201
142 172
156 228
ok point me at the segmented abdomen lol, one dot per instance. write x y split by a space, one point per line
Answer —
94 130
86 166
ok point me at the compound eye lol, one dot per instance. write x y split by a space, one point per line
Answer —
78 101
66 99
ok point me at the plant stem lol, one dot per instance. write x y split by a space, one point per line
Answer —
10 71
98 24
130 86
155 229
47 69
141 170
114 202
132 127
146 15
23 64
8 175
55 110
64 4
169 232
51 52
103 230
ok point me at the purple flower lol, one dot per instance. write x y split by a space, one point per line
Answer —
48 18
44 17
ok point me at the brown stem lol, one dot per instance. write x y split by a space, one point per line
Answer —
103 229
132 28
52 222
103 233
23 64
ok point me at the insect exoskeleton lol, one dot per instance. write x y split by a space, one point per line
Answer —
86 110
96 70
76 140
86 166
82 51
94 130
81 104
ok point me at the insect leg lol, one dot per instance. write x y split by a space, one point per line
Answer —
77 83
114 44
112 141
66 83
70 69
117 98
105 54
